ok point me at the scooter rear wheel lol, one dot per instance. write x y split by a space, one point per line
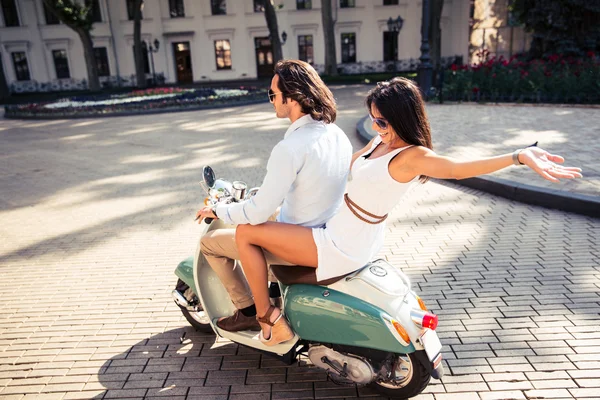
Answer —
412 379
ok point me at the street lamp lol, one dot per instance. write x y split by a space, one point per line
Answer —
425 69
395 25
283 38
152 49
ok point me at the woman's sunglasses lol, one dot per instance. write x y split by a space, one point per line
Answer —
272 95
381 123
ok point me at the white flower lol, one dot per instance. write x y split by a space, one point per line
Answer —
64 103
230 92
109 102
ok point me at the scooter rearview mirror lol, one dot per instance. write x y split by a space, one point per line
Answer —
208 175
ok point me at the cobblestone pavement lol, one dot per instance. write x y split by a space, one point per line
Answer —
95 214
471 130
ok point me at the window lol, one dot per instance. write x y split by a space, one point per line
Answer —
95 10
303 4
389 46
9 10
223 54
390 2
176 8
131 9
21 66
51 19
305 48
259 5
347 3
218 7
348 47
144 57
101 56
61 64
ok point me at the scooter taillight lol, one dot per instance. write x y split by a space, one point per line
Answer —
424 319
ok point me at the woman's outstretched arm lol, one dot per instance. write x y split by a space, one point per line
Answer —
422 161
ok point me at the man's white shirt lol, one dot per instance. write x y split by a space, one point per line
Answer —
306 176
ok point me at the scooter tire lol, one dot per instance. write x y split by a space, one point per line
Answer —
418 382
197 325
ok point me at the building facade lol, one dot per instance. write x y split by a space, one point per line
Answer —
494 29
214 40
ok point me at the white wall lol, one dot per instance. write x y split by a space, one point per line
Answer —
240 26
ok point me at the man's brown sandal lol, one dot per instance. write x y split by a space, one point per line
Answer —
280 329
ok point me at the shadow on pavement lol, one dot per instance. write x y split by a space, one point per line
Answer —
182 362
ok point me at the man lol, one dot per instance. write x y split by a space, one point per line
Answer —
306 176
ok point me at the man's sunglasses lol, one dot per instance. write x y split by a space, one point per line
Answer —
381 123
272 95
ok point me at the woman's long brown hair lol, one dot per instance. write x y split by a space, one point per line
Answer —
399 101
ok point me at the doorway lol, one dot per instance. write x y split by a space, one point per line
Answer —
264 57
183 62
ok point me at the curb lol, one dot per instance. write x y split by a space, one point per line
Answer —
529 194
134 113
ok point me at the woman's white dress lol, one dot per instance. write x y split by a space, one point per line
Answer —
346 243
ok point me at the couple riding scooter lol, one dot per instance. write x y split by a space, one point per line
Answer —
364 328
361 323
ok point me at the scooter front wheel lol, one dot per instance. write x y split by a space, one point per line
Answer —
410 379
194 314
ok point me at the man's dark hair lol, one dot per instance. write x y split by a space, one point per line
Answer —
299 81
400 103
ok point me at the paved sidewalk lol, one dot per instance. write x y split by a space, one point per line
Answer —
467 131
95 215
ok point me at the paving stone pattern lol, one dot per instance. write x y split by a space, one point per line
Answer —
471 130
95 215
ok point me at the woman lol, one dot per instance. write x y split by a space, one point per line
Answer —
380 174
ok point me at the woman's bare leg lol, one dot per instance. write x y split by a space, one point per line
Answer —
292 243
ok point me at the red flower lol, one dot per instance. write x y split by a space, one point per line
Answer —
548 73
475 90
591 54
454 67
524 73
554 58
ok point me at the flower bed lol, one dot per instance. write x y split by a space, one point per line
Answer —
556 79
137 102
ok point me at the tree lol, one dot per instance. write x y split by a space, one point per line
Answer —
271 18
329 34
138 50
4 92
568 27
435 33
79 17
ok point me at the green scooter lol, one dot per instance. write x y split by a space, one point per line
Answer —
365 328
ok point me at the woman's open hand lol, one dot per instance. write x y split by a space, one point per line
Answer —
547 165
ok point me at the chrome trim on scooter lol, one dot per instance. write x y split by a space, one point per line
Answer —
417 317
179 299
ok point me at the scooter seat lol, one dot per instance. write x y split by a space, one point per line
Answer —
294 274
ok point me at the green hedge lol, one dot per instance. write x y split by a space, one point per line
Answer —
556 79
